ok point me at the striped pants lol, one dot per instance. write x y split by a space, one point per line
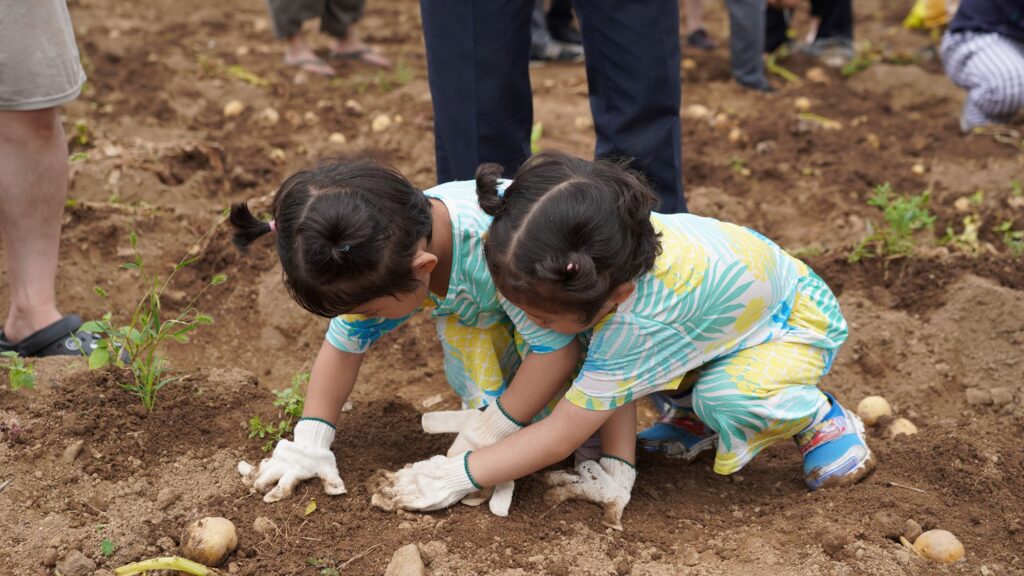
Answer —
990 67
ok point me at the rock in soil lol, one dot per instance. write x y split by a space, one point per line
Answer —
76 564
911 529
1002 396
689 556
263 526
72 451
978 397
406 562
50 557
166 497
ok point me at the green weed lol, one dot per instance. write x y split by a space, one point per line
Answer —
19 374
966 241
290 403
142 339
246 76
903 216
107 547
1013 239
536 133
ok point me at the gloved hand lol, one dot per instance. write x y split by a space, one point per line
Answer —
476 429
308 456
426 485
607 482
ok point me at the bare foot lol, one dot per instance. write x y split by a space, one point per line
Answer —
352 48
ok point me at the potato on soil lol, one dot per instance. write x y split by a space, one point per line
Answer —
696 112
380 123
209 540
802 104
233 109
902 426
937 545
872 408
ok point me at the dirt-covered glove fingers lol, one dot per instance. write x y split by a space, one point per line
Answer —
333 484
501 499
269 472
560 478
284 489
247 472
612 517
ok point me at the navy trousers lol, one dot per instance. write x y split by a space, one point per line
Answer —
478 55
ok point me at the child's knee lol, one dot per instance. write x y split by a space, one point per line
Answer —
1000 94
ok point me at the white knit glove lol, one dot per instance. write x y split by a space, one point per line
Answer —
426 485
477 429
607 482
308 456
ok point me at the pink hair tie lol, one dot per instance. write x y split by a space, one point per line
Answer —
273 226
571 267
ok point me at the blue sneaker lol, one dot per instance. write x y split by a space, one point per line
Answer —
835 452
679 434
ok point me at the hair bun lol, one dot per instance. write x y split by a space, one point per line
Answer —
490 201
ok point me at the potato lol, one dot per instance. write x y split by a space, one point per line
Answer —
902 426
696 112
269 117
872 408
940 546
337 138
802 104
209 540
738 136
380 123
918 169
233 108
689 64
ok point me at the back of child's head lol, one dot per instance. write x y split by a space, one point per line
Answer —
346 232
567 232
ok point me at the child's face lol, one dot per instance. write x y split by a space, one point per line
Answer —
569 322
405 303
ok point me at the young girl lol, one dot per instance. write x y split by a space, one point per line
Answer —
358 243
673 302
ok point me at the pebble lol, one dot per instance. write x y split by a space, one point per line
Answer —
337 138
234 108
263 526
380 123
233 568
911 529
433 549
166 497
405 526
978 397
1002 396
353 107
166 543
76 564
406 562
72 451
689 556
50 557
622 567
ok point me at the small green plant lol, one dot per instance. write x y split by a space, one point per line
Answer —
107 547
19 374
739 166
1017 188
290 402
967 240
1013 239
246 76
536 133
78 157
137 345
903 215
388 81
82 133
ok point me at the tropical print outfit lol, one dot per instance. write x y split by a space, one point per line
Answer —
727 314
482 348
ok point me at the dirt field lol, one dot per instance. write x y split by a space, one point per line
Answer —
161 159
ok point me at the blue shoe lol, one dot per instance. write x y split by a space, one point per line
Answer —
679 434
835 452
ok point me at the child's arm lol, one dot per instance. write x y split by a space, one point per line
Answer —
538 379
309 454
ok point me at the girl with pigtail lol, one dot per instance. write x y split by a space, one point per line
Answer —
359 244
711 317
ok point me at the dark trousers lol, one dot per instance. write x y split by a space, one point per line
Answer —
478 54
836 22
335 15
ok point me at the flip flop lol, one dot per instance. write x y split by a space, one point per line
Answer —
62 338
363 55
310 64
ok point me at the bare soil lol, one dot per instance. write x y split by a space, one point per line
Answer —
162 160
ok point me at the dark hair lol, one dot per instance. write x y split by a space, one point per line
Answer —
567 231
346 233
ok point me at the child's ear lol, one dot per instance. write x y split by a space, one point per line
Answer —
423 263
622 292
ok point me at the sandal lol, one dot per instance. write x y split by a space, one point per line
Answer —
62 338
313 65
365 55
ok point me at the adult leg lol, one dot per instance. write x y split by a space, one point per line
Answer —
991 67
339 21
746 42
287 17
33 186
560 22
836 19
776 24
633 58
478 58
